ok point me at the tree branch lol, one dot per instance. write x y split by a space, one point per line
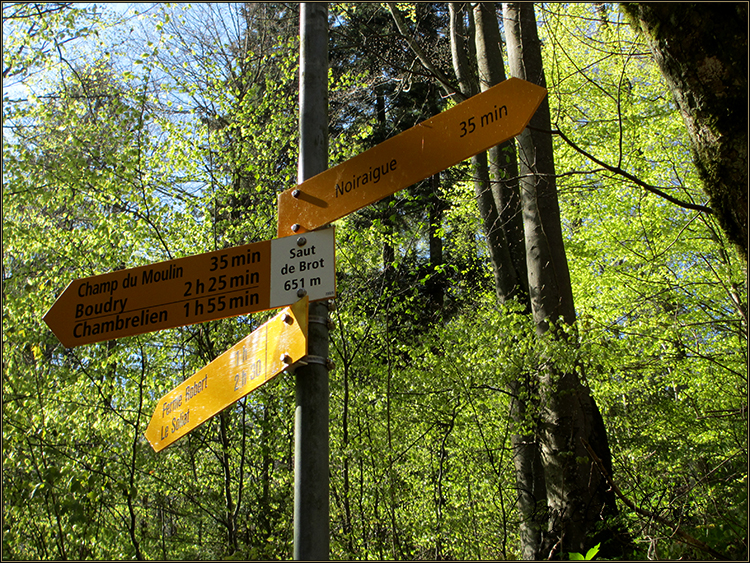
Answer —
690 540
445 82
619 171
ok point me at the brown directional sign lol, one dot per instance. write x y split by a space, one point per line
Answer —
257 358
471 127
215 285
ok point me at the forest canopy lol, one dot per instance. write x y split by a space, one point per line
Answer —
134 134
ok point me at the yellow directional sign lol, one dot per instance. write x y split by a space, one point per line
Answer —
247 365
469 128
215 285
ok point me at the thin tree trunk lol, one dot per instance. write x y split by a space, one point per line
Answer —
265 445
503 177
229 519
389 253
577 497
130 493
531 489
503 162
506 278
436 283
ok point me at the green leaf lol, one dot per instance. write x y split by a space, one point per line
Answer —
591 553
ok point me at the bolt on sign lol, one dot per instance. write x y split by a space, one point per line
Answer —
448 138
254 360
205 287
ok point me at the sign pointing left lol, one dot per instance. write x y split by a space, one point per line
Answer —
257 358
195 289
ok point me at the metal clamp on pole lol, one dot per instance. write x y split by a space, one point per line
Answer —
327 362
327 321
291 368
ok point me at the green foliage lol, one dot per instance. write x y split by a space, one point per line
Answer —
658 291
590 554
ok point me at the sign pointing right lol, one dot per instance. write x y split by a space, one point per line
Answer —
469 128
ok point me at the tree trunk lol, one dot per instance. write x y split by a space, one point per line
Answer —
229 513
436 283
562 496
548 275
506 277
577 496
389 253
503 161
531 489
496 187
702 52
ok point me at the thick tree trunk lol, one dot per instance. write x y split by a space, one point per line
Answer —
577 496
561 495
701 49
503 177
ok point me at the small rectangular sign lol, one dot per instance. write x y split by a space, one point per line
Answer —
305 263
195 289
254 360
481 122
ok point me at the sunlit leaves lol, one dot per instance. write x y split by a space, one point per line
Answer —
665 342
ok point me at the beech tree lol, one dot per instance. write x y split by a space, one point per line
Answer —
578 500
548 461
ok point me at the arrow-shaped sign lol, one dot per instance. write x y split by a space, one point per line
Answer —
469 128
257 358
215 285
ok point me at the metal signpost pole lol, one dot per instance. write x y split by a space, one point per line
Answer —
311 388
